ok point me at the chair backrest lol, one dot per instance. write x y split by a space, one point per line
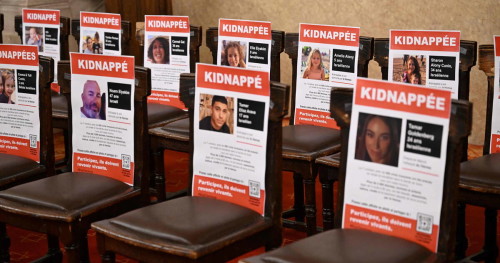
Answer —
468 58
292 47
126 34
277 47
460 126
141 138
134 11
487 64
279 108
63 37
46 136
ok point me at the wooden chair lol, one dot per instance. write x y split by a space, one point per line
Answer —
198 229
303 144
328 166
174 135
15 170
65 205
352 245
480 178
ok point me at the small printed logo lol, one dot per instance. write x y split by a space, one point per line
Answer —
254 188
126 161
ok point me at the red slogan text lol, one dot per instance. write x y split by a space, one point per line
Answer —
425 40
247 29
167 24
19 55
101 65
100 20
334 35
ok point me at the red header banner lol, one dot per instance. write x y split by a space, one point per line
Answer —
178 24
19 55
232 79
245 29
425 40
103 65
100 20
403 97
41 16
346 36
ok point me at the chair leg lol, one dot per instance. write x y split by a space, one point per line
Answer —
327 198
108 257
298 196
159 176
462 243
310 200
78 251
490 235
4 244
54 252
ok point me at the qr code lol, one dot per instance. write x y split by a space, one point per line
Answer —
125 161
33 141
424 223
254 188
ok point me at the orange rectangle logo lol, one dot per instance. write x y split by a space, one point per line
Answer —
41 16
334 35
245 28
232 79
19 147
101 20
166 98
103 65
425 40
179 24
497 46
316 118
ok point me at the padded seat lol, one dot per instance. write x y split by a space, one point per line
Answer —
332 160
178 129
65 196
176 226
481 173
158 113
352 246
14 168
308 142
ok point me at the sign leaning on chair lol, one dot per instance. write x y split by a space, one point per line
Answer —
396 160
166 53
230 135
244 44
100 33
429 58
19 101
102 100
495 122
327 57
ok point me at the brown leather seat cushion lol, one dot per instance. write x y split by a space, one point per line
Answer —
59 106
307 142
65 196
178 129
158 113
481 174
14 168
347 245
191 226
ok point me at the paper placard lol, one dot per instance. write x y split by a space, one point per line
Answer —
327 57
396 160
100 33
102 99
19 101
166 53
244 44
495 122
41 28
429 58
230 135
